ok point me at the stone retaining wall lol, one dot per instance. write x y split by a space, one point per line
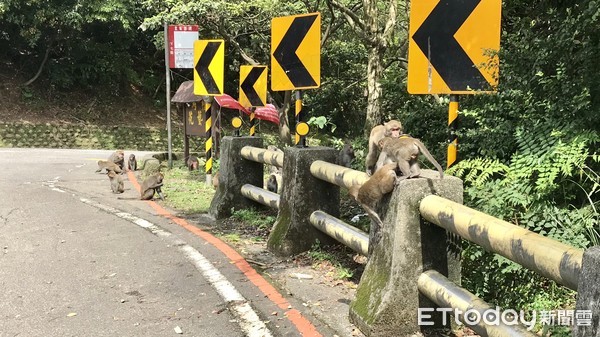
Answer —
88 137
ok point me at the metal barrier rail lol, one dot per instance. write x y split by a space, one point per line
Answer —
260 195
264 156
548 257
336 174
346 234
446 294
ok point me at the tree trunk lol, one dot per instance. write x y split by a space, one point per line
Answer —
374 71
374 66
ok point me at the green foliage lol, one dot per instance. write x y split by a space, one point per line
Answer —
320 122
90 44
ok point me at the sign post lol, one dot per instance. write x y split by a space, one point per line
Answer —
453 49
209 70
179 42
168 99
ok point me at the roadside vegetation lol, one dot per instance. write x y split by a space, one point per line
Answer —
528 153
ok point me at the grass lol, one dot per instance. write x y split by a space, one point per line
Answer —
187 191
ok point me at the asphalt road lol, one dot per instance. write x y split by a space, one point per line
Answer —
77 261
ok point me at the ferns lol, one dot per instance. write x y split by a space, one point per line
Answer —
548 179
478 171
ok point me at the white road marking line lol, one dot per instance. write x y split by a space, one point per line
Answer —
248 319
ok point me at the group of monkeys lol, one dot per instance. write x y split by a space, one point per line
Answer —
115 167
392 157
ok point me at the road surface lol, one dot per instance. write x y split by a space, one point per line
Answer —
77 261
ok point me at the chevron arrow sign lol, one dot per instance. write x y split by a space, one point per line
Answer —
253 86
209 67
453 46
296 52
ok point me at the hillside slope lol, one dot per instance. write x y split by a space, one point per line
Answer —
36 104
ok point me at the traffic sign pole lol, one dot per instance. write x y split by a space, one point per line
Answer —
168 90
252 121
209 142
452 126
300 140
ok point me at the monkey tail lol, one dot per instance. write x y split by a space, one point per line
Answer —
428 155
373 215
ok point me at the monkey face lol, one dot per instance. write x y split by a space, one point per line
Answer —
393 129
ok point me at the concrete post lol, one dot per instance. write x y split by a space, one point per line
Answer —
387 298
587 316
302 194
235 172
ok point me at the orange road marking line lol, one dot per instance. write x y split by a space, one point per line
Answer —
303 325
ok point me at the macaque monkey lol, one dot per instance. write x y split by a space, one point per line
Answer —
346 155
272 168
369 193
215 181
116 182
274 183
132 163
118 157
404 151
109 166
151 185
392 129
192 163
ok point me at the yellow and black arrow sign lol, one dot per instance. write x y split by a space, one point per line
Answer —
453 46
253 86
296 52
209 67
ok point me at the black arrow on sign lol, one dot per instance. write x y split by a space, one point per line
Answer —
436 39
202 67
285 54
248 86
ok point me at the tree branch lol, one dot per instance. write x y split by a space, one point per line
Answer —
39 72
355 22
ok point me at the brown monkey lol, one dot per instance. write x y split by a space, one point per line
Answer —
192 163
404 151
215 180
274 183
272 168
109 166
346 155
118 157
369 193
132 163
393 129
116 182
151 185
